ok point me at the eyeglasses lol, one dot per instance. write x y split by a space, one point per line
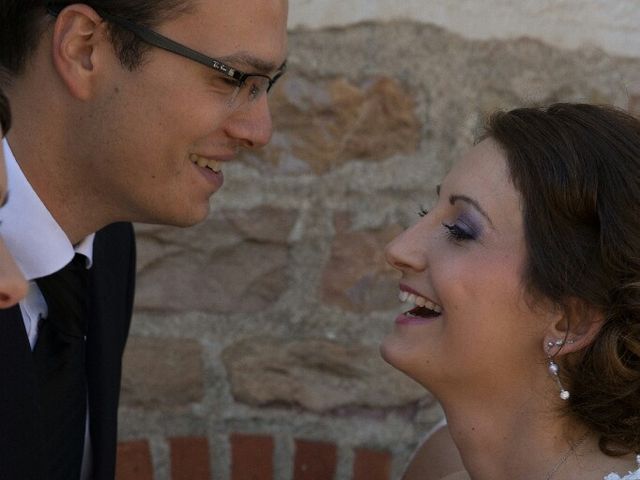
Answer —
240 87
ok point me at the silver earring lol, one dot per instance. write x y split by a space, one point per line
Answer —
554 369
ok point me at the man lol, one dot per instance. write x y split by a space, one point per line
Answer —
124 110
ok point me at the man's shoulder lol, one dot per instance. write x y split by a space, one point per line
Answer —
116 240
114 252
117 231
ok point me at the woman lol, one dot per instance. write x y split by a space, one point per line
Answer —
12 284
524 283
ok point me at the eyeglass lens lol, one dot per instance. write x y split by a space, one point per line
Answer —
253 87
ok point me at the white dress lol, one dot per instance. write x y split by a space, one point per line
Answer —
630 476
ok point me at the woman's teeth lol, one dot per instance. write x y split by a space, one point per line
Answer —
419 301
205 162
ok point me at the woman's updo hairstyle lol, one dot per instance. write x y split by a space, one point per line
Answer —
5 114
577 168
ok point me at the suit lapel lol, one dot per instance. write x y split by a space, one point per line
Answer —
111 300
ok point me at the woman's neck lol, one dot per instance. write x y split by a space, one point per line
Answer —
502 439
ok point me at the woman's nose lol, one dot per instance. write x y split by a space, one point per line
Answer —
408 250
13 286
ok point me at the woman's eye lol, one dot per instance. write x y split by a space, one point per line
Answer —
458 233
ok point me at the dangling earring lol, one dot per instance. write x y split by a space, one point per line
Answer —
554 369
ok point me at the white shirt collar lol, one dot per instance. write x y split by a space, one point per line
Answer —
36 241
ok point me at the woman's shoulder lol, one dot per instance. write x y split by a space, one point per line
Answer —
436 457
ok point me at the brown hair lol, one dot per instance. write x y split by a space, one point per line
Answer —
21 26
5 114
577 168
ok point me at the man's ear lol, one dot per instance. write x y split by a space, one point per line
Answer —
77 35
574 330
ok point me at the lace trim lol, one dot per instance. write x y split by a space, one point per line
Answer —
631 476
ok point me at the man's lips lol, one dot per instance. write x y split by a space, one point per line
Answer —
213 163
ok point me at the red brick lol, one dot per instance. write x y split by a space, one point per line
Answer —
189 458
134 461
371 465
314 461
251 457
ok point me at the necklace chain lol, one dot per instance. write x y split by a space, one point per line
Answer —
565 457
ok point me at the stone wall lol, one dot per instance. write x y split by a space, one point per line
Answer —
254 347
606 24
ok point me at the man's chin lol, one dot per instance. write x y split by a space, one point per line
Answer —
180 219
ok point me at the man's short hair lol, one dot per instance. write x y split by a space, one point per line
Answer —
22 23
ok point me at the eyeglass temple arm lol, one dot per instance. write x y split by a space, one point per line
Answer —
160 41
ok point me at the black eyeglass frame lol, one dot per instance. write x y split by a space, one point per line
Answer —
160 41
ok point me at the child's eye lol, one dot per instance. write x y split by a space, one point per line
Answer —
458 233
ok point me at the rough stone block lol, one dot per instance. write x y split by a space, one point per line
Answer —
357 276
319 375
236 262
634 105
322 124
162 373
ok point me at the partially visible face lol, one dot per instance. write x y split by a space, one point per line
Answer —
152 126
13 286
466 256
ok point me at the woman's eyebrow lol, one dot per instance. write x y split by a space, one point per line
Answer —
463 198
454 198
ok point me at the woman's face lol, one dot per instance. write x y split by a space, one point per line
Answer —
465 259
13 286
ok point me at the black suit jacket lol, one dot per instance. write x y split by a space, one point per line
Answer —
111 302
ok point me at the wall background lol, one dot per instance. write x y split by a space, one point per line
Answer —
254 347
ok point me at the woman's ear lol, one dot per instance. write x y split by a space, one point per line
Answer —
574 330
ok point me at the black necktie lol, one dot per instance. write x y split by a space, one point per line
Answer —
59 357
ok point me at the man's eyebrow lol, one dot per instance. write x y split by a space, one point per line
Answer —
257 65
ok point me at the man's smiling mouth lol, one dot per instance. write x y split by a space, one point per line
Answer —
213 165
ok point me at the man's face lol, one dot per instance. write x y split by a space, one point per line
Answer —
151 130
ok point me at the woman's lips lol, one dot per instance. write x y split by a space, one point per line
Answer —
423 309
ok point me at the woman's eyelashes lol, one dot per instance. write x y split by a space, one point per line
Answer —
460 231
422 212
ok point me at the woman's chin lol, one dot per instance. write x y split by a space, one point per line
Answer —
401 358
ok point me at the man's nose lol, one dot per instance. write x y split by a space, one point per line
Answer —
251 124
